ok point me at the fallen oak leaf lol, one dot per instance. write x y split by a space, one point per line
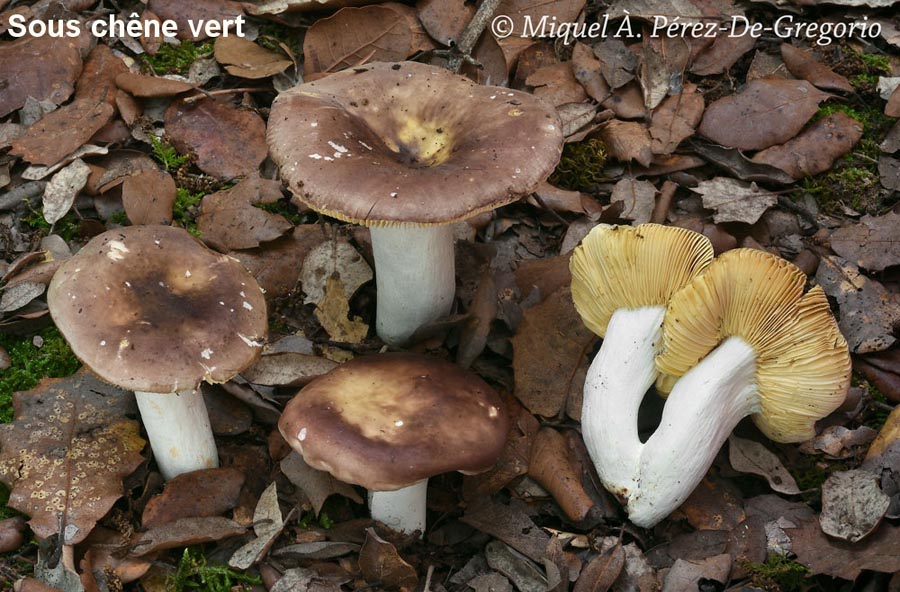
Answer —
733 200
184 532
675 120
852 505
245 59
748 456
816 148
197 494
67 451
382 566
872 244
61 132
803 65
229 219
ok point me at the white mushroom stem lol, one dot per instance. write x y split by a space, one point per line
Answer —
615 385
703 408
415 277
402 510
179 431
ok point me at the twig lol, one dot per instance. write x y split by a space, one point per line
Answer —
661 209
428 575
552 212
208 94
466 43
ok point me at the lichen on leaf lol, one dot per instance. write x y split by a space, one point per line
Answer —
64 455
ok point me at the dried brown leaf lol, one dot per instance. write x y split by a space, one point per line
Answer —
198 494
98 80
563 11
766 112
196 12
802 65
317 485
267 524
332 311
151 86
557 84
149 196
287 369
816 148
42 67
734 201
892 107
353 36
184 532
61 132
725 51
638 198
229 219
748 456
63 188
675 120
872 244
547 350
245 59
382 566
67 451
586 67
444 19
510 524
852 505
685 576
602 571
552 467
841 559
627 141
335 258
617 63
227 142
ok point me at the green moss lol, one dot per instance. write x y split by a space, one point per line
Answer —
166 154
273 35
185 210
29 364
66 227
284 207
176 59
309 518
581 165
879 63
778 574
195 573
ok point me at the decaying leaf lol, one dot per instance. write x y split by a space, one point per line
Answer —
317 485
852 505
510 524
734 201
332 311
562 11
444 19
725 51
354 36
67 451
816 148
149 196
382 566
766 112
151 86
602 571
675 120
333 258
551 466
184 532
43 67
522 572
868 312
839 442
872 244
287 369
267 524
685 576
842 559
245 59
197 494
227 142
802 65
627 141
556 84
586 68
195 13
62 131
617 63
749 456
547 350
638 199
229 219
19 294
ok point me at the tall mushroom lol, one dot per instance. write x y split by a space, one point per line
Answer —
408 149
622 279
390 421
151 309
744 340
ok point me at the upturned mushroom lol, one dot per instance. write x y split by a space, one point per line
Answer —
744 340
151 309
408 149
390 421
622 279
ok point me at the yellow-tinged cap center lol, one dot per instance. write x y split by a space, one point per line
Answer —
423 143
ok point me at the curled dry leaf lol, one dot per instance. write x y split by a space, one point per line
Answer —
333 258
246 59
748 456
332 312
852 505
151 86
586 67
872 243
63 188
627 141
816 148
547 350
61 132
734 201
267 524
67 451
197 494
317 485
149 196
766 112
184 532
602 571
354 36
638 199
868 312
287 369
43 67
551 466
382 566
98 81
675 120
227 142
229 219
802 65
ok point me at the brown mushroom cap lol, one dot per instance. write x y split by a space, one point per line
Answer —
149 308
387 421
409 143
802 360
633 266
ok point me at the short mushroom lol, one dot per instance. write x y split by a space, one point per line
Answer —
408 149
622 279
150 309
744 340
390 421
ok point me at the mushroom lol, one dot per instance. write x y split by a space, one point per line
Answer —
744 340
408 149
622 279
390 421
150 309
